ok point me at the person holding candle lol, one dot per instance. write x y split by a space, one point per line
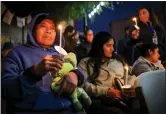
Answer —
151 31
121 45
101 67
26 79
131 53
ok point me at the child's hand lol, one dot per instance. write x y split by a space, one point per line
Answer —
69 83
114 93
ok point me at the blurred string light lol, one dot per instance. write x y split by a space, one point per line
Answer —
95 10
98 9
92 13
102 3
112 6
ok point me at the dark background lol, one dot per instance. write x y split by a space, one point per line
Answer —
109 20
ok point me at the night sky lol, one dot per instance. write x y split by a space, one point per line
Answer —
101 22
121 11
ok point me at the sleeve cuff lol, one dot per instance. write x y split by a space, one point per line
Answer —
30 74
80 76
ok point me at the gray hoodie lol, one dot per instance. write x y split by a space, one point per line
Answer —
108 71
142 65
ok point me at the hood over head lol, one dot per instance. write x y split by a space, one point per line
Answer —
32 25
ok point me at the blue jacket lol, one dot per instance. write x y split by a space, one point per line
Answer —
29 92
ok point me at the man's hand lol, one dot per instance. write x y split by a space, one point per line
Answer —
49 64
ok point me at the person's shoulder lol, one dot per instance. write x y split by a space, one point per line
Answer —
160 27
141 63
79 46
17 50
82 45
140 60
20 48
85 59
122 39
141 24
115 62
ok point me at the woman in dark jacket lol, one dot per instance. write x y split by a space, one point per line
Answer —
83 49
151 30
130 50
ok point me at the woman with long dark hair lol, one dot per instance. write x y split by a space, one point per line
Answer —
101 68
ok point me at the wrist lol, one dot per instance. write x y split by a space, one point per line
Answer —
73 75
30 73
106 92
80 76
37 72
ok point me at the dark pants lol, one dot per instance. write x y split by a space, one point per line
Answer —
109 106
56 112
9 110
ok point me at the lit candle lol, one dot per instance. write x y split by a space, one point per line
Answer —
60 40
135 20
126 74
59 48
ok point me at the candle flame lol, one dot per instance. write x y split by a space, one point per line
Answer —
134 19
60 27
126 68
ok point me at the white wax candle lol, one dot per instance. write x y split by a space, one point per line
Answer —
126 75
60 40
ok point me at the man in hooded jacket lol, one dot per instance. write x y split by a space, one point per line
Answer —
26 78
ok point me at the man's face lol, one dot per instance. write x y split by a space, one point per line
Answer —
45 33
